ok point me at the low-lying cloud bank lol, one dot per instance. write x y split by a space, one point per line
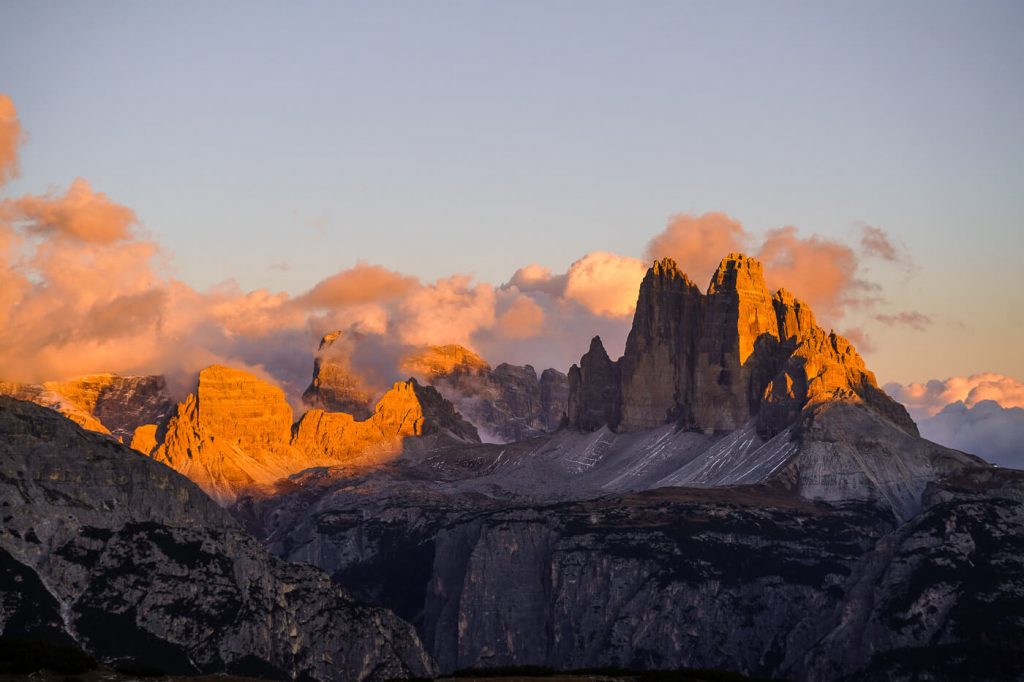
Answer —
82 289
981 414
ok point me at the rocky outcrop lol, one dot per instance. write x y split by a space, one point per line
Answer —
554 399
595 388
434 362
407 410
658 367
121 555
335 386
105 403
507 403
712 362
737 340
235 432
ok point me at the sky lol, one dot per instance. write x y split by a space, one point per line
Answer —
264 148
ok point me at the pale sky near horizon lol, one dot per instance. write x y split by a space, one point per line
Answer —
277 143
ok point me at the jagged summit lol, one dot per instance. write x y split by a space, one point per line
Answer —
437 361
236 432
335 386
712 362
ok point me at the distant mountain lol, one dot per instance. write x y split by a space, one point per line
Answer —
236 432
734 492
507 403
111 550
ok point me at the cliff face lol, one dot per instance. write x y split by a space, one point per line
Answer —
756 579
235 432
335 386
113 551
407 410
595 390
658 368
713 362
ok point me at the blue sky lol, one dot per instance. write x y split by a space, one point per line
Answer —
277 143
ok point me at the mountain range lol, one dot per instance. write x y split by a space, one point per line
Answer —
734 492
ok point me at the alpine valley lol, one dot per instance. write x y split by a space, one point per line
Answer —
734 493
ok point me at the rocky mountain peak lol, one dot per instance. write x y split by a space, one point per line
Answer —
435 361
335 386
795 318
595 387
738 272
713 362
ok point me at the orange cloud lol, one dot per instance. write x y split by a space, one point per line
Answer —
449 311
698 243
522 319
822 272
11 137
605 284
81 214
363 283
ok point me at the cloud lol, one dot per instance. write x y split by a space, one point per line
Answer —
363 283
11 137
521 319
876 243
927 399
698 243
605 284
80 214
907 318
82 291
986 429
824 272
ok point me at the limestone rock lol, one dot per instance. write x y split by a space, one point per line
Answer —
437 361
738 334
335 386
130 560
235 433
507 403
595 390
712 363
232 433
554 399
407 410
661 350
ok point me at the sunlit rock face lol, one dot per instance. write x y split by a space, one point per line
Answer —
713 362
407 410
119 554
335 386
232 433
105 403
434 362
235 432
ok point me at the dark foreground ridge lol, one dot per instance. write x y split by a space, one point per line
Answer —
109 550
